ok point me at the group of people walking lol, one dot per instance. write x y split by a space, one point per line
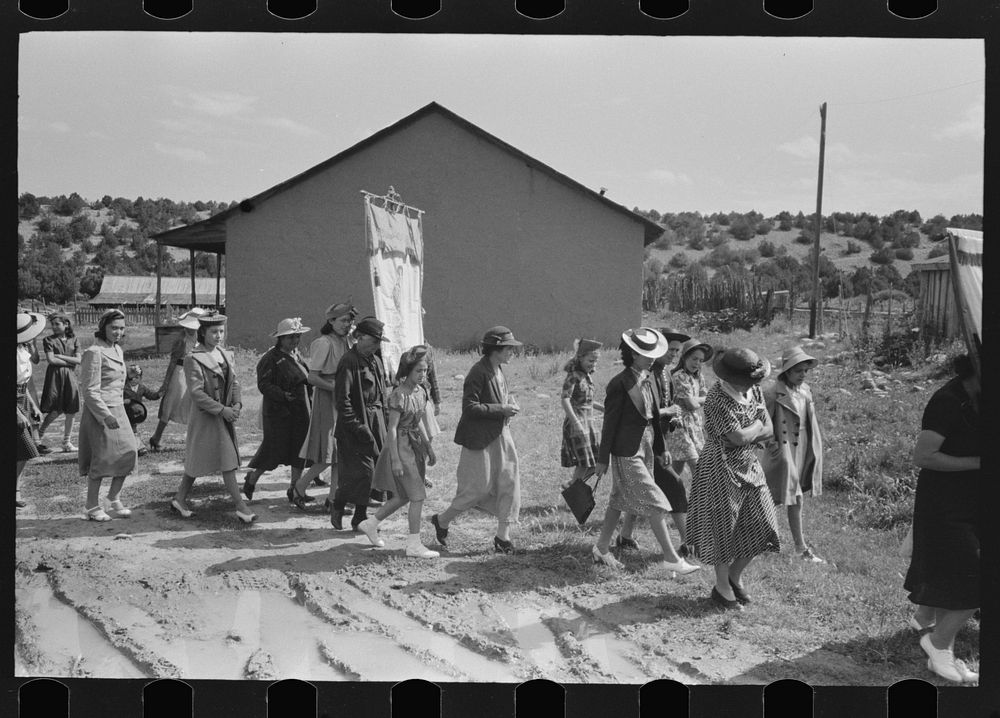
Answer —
717 460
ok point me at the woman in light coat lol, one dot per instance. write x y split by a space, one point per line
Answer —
107 444
211 434
793 459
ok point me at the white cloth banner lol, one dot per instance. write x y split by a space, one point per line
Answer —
969 275
395 254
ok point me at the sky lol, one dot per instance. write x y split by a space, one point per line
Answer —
666 123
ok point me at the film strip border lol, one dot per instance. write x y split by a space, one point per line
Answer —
248 699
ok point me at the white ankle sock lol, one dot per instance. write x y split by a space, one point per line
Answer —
414 540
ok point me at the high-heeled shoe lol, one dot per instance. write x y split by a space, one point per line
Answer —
318 480
606 558
176 506
246 518
249 486
118 509
501 546
441 534
154 445
724 602
296 499
741 595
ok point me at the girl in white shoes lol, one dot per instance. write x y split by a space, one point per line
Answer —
401 466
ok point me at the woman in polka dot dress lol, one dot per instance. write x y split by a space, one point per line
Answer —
731 516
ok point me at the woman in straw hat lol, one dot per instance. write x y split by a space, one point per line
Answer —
793 458
401 466
215 406
631 440
29 326
176 404
320 448
107 444
60 392
283 381
487 474
731 516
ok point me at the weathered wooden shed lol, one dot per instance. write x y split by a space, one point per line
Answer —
936 299
508 240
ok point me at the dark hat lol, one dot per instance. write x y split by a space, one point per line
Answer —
500 336
136 412
410 358
372 327
741 363
586 346
673 336
338 310
211 319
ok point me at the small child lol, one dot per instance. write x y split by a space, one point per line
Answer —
401 466
581 438
60 393
687 440
134 392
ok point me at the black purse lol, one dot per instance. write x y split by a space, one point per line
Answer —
579 496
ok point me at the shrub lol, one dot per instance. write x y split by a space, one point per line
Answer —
725 321
805 237
785 224
882 256
81 226
679 260
44 224
766 248
764 227
939 250
697 243
852 248
904 253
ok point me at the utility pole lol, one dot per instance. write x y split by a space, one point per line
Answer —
815 303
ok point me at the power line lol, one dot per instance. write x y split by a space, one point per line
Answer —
905 97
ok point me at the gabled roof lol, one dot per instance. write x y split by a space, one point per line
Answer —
140 289
212 230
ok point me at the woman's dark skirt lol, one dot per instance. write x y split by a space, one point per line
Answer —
283 439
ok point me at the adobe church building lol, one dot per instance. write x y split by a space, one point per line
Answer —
507 240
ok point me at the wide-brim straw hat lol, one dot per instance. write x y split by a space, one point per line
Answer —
292 325
690 345
500 336
672 335
29 326
645 341
741 364
793 356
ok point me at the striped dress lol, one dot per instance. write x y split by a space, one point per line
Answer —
730 512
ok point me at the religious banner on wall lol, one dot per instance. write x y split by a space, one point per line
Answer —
394 240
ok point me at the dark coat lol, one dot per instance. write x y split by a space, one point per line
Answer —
360 396
624 425
482 418
278 375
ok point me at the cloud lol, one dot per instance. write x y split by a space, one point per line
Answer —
970 126
186 124
669 177
187 154
59 126
216 104
289 125
807 148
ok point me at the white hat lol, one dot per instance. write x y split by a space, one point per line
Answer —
646 342
29 326
290 326
189 319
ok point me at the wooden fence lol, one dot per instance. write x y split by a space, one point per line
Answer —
88 316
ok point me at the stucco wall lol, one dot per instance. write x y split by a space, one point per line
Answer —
504 244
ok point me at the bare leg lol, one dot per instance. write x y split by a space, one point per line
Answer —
160 428
722 581
93 493
334 481
795 524
947 626
182 490
611 517
116 486
628 526
736 570
680 521
659 525
392 506
413 514
229 479
68 427
925 615
47 422
503 530
306 477
296 476
17 486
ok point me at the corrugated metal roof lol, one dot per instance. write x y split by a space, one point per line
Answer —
123 289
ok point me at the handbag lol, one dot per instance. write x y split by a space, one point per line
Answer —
579 496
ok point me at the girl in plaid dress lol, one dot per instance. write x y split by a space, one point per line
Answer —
580 437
